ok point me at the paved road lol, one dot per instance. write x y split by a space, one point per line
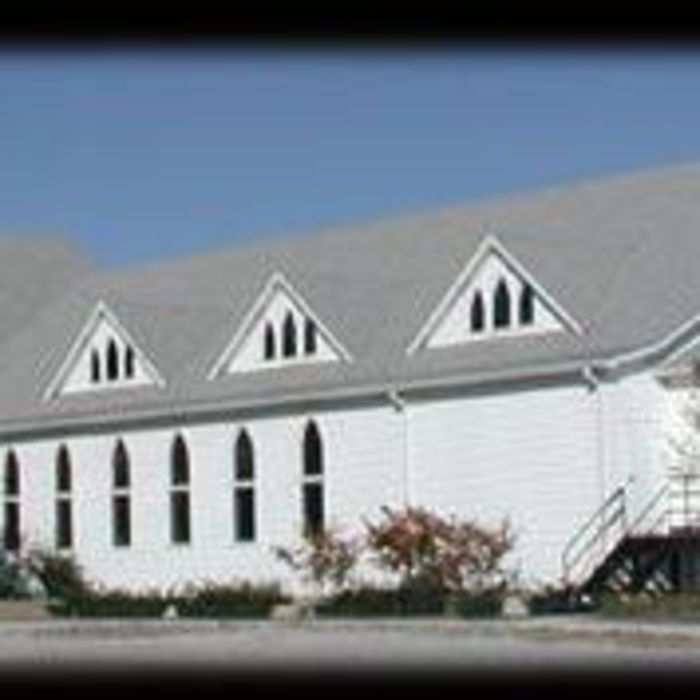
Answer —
330 647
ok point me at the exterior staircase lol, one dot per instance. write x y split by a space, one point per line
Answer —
656 553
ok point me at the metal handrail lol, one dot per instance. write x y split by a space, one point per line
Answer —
644 513
617 498
605 522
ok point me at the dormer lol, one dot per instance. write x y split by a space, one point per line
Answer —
494 297
280 330
104 356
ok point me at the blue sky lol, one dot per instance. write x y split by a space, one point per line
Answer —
141 155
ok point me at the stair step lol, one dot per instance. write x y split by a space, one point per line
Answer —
642 564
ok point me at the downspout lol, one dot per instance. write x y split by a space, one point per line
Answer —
399 405
590 378
593 385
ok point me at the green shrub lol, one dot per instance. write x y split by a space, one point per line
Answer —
210 600
14 584
420 596
559 600
368 601
60 576
410 600
361 602
114 603
673 606
476 605
243 600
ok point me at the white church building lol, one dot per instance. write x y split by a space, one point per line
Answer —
520 358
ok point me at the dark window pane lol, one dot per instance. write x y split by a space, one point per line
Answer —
245 463
501 306
120 467
112 361
64 524
11 475
313 451
63 470
180 517
129 362
270 349
245 514
289 337
121 521
477 313
95 373
180 467
11 532
313 508
309 337
527 305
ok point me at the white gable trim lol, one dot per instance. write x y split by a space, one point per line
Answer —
276 282
100 311
490 244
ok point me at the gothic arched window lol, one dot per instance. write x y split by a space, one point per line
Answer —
11 480
64 500
244 489
310 337
477 313
312 484
129 362
112 361
180 525
289 336
527 306
501 305
95 369
270 349
121 496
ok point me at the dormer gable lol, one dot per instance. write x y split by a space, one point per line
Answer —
494 296
280 330
104 356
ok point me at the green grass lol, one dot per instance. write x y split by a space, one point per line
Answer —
683 607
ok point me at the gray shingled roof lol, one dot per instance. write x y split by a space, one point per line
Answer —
620 255
32 272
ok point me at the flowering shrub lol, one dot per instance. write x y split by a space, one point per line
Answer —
324 559
444 554
435 558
